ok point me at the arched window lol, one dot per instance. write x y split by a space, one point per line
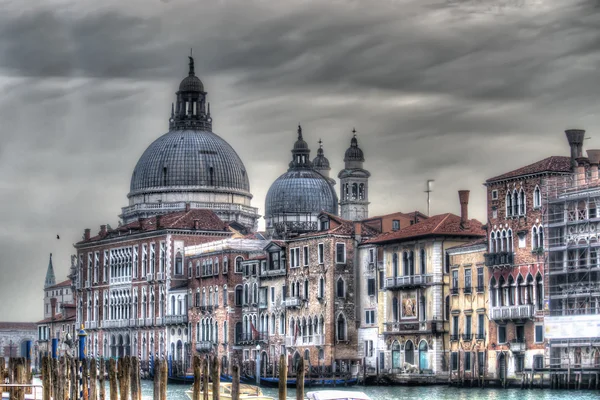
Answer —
396 355
306 289
395 265
341 327
178 264
509 238
515 203
395 309
539 289
172 305
504 245
520 291
255 293
246 294
522 207
340 287
541 237
405 263
534 238
409 352
493 242
493 292
225 296
361 191
447 308
537 198
511 291
306 355
354 191
423 262
216 266
238 295
508 204
321 287
225 264
238 265
503 291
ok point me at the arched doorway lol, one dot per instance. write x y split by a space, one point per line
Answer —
120 351
295 361
423 359
501 366
179 350
396 355
264 361
409 352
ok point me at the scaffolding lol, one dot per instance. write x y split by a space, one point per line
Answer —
571 227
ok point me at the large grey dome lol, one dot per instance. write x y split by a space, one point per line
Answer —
300 191
189 159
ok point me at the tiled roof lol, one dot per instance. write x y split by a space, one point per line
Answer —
342 227
470 244
57 318
208 221
60 284
9 326
438 225
550 164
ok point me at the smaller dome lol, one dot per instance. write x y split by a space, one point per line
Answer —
191 84
320 161
354 153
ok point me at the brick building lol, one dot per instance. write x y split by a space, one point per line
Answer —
468 311
16 338
416 272
516 261
125 277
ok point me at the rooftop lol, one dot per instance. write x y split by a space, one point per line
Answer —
550 164
66 283
438 225
20 326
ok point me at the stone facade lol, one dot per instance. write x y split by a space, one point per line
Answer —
14 337
468 311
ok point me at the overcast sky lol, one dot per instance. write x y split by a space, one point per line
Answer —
452 90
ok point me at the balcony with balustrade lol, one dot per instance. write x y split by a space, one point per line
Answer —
176 319
292 302
268 273
502 259
408 282
517 345
252 338
515 312
404 328
204 346
308 340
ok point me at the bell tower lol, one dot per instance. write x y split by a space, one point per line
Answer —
354 184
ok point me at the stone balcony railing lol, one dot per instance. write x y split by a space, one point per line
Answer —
410 281
250 338
309 340
517 346
413 327
499 260
505 313
204 346
272 272
176 319
292 302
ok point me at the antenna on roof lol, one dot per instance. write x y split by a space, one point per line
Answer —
428 191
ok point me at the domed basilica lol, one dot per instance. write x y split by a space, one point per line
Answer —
191 164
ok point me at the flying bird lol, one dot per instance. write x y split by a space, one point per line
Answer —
58 237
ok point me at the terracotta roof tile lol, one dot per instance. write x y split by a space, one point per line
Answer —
60 284
438 225
469 244
208 221
6 326
57 318
550 164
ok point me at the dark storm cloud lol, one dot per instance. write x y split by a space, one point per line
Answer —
456 91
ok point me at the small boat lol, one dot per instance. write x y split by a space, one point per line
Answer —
181 379
309 382
247 392
336 395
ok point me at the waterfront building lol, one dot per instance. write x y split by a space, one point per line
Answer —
570 203
59 315
215 273
416 270
321 296
515 259
17 339
469 321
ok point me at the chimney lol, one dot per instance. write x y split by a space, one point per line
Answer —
575 138
102 229
196 224
158 218
463 197
187 207
86 234
594 157
53 307
580 175
358 229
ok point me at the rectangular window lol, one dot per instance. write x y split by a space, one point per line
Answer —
520 333
152 257
295 257
468 326
305 256
370 317
468 280
454 360
144 260
480 326
480 282
381 279
538 362
395 225
96 265
372 256
468 365
519 363
481 362
455 325
371 286
494 195
539 333
340 253
501 334
321 253
135 261
272 294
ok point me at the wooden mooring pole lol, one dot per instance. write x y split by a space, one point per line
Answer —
136 384
300 380
157 379
216 378
102 394
205 378
282 377
112 379
46 378
164 379
197 364
235 385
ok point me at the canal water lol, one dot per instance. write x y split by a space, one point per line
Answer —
177 392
